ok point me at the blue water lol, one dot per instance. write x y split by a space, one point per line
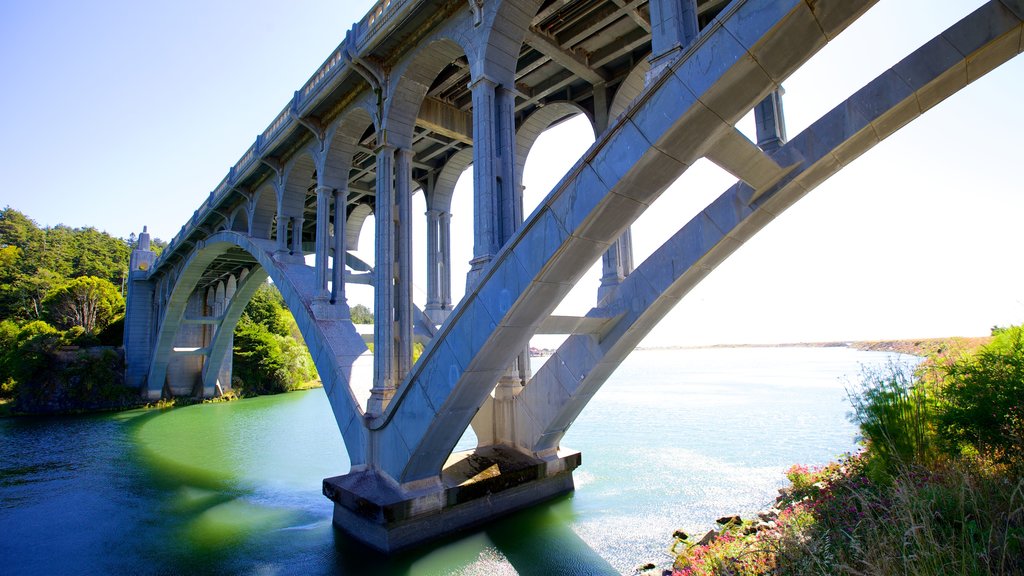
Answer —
675 439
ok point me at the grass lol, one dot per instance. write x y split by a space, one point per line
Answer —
838 520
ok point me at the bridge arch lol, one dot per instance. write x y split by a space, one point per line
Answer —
440 198
334 344
503 26
342 142
263 211
632 86
540 121
413 81
238 221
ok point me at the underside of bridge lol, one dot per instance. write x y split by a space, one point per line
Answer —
421 90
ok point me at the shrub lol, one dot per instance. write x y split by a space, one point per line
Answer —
895 413
983 401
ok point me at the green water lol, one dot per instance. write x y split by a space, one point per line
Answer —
675 439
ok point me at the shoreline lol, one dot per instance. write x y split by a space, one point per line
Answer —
922 347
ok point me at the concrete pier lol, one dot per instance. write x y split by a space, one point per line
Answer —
475 487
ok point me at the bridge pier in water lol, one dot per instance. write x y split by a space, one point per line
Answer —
418 92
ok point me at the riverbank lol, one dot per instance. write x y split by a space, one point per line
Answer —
936 488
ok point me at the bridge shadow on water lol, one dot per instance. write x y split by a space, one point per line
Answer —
534 542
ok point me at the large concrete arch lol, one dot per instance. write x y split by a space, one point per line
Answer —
560 390
684 115
334 344
220 345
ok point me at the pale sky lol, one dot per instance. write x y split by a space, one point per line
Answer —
121 114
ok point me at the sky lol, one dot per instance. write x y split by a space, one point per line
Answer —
122 114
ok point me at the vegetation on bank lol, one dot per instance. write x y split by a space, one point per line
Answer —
270 355
62 305
61 316
937 489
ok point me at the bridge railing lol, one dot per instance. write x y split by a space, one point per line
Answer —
363 32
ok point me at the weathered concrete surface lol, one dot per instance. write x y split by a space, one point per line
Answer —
476 486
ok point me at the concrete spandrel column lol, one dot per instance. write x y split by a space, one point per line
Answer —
282 227
433 265
770 121
673 27
403 246
444 236
509 191
617 262
383 299
323 212
485 188
338 263
297 223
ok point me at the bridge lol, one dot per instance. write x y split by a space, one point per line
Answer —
421 90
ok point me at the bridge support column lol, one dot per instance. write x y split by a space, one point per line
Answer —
444 241
403 246
138 326
486 185
770 121
323 213
383 300
617 262
434 267
338 262
673 27
297 223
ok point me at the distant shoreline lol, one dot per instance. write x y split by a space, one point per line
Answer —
913 346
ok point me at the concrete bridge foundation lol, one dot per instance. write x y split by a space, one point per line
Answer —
475 487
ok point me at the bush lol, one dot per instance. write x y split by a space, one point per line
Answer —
895 413
982 407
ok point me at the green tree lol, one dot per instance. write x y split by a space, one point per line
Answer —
361 314
267 308
89 302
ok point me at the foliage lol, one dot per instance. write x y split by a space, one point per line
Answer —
895 413
88 301
34 261
267 308
951 521
360 314
983 401
268 359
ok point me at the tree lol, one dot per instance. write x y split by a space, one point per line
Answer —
267 308
361 314
88 301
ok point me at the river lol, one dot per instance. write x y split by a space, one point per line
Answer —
675 439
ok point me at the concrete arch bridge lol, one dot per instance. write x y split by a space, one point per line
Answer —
418 91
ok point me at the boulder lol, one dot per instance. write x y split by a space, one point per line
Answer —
708 538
